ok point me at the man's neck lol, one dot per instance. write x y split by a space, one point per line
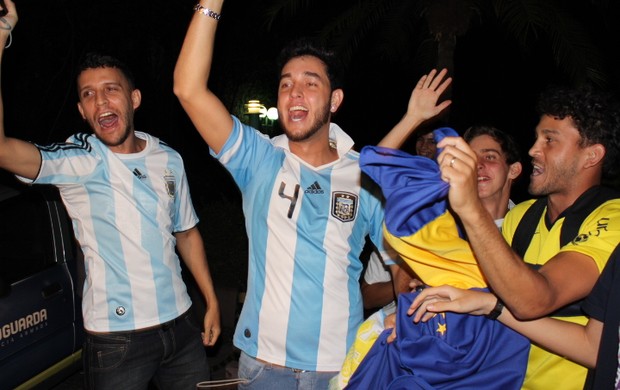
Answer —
314 153
557 203
497 205
132 144
317 150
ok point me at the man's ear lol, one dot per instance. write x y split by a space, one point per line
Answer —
336 101
515 170
136 98
595 156
81 110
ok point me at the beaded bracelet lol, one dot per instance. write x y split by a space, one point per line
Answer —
207 11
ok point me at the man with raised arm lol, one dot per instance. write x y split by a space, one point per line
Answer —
307 209
128 198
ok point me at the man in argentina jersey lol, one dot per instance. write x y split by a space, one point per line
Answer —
307 211
128 197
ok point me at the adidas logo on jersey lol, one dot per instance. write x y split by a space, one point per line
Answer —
139 174
315 188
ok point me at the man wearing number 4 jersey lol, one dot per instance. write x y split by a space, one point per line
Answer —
307 208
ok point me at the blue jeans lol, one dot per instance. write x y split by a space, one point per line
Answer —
267 376
171 355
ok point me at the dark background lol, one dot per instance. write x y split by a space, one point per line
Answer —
496 75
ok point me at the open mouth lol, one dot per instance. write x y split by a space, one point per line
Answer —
537 170
297 113
107 120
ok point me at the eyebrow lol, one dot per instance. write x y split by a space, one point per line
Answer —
307 74
490 150
105 83
548 131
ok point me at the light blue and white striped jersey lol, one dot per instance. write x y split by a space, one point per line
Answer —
124 208
306 227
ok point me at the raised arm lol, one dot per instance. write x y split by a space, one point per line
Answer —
576 342
191 75
16 156
422 106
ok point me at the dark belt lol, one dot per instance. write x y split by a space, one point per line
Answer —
163 326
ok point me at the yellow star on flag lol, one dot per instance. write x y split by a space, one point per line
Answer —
442 329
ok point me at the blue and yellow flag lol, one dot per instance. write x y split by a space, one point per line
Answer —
451 351
418 224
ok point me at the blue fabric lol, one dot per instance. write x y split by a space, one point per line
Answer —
414 179
451 351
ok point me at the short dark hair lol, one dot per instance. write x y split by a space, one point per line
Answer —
506 142
595 114
421 132
93 60
308 47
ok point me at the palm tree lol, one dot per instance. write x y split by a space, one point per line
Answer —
388 26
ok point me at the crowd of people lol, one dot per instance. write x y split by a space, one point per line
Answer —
534 282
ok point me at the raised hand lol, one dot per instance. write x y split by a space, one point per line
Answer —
422 106
9 16
424 97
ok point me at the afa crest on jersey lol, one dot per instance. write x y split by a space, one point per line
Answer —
170 181
344 206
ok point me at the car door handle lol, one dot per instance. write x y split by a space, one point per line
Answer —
51 290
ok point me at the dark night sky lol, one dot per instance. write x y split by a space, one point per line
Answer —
495 82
